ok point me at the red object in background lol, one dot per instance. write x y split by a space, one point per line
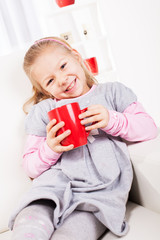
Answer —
64 3
69 114
92 62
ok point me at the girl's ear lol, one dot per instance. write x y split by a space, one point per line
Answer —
77 55
80 59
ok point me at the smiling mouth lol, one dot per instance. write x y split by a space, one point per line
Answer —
71 85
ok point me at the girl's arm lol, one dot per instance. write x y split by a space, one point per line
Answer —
41 153
134 124
38 156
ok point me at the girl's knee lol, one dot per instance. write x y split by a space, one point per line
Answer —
33 222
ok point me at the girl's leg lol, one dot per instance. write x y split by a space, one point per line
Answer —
35 222
80 226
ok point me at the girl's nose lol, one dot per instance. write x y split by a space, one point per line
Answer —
62 79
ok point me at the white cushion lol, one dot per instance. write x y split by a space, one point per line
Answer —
15 88
144 224
145 157
6 235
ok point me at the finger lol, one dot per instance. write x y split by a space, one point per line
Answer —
88 114
56 141
94 126
95 118
92 111
55 128
50 125
82 115
67 148
96 106
62 136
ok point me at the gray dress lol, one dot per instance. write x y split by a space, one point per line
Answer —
96 177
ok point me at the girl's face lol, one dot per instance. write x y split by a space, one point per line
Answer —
60 74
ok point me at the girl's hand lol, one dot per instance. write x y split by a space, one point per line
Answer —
53 141
96 115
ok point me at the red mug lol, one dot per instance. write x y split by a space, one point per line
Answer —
64 3
69 114
92 62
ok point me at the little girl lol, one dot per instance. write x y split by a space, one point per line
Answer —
86 187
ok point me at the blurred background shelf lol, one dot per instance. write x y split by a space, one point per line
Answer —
81 26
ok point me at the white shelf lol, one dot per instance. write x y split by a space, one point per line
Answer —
83 42
77 5
76 20
81 25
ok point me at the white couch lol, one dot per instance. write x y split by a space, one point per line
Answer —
143 209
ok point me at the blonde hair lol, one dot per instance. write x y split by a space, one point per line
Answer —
30 57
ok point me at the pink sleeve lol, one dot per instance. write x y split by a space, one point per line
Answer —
38 156
134 124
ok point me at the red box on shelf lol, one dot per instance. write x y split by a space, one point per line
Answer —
64 3
92 63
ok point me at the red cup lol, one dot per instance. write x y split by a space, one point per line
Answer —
92 62
64 3
69 114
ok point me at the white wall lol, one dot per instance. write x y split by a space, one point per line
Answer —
133 28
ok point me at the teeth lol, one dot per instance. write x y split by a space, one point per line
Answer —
72 84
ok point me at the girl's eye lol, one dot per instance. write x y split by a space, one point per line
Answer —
63 65
50 81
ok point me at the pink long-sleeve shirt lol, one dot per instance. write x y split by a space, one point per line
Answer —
134 124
